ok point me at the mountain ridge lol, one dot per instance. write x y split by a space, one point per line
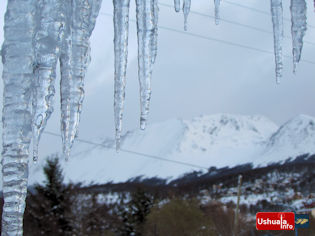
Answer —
210 140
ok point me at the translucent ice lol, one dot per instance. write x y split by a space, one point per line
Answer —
18 59
186 10
47 41
36 35
121 27
217 11
298 28
277 21
74 60
177 5
147 17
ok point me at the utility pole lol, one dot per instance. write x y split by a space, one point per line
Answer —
240 177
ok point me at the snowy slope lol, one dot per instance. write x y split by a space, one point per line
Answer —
215 140
295 137
158 139
225 140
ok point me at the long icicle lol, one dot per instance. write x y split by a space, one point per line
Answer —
177 5
47 40
298 29
17 58
121 28
277 21
154 40
217 11
186 10
74 60
66 66
147 17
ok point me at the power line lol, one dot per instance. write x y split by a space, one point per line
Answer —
258 10
133 152
233 23
247 7
217 40
163 159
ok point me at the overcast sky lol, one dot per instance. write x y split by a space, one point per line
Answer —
194 76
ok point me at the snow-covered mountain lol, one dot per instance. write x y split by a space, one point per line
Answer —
225 139
202 134
214 140
294 138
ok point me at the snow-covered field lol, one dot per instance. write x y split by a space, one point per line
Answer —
214 140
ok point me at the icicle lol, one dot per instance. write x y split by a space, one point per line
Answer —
121 26
298 29
74 60
186 10
277 21
46 45
36 33
17 58
155 15
66 67
217 11
177 5
96 6
147 16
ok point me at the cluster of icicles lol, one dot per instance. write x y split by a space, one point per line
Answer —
298 28
39 34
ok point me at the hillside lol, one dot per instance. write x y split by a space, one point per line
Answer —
276 187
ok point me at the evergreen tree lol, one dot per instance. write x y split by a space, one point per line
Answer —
97 219
134 216
49 206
